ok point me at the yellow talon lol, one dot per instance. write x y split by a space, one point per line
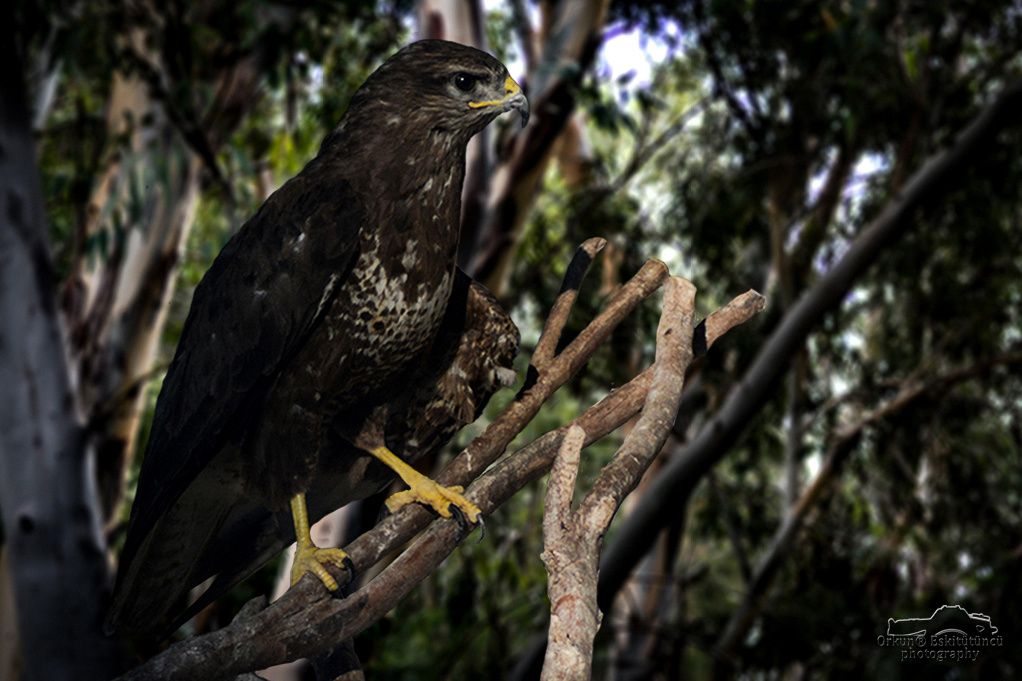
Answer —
399 500
425 491
308 556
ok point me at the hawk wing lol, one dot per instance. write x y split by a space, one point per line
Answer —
253 309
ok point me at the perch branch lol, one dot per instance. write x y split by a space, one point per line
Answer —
545 379
307 620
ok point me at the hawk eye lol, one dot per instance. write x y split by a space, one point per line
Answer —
465 82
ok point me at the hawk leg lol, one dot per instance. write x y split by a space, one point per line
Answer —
308 556
444 500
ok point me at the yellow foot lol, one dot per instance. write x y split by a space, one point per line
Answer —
308 556
313 559
445 497
426 491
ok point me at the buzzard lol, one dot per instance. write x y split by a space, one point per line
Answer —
331 342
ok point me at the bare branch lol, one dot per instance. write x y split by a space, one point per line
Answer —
574 619
307 620
572 541
731 315
561 486
551 335
673 355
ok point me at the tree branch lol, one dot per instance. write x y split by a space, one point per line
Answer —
306 619
607 415
574 618
558 317
572 541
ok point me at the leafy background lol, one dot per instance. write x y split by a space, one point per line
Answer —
760 141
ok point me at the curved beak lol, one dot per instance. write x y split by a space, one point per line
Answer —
513 98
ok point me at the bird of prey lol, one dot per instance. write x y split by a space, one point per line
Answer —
331 341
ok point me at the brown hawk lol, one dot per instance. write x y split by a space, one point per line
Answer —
331 342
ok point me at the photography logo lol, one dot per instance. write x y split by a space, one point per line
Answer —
950 633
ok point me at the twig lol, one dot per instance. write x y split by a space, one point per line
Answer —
558 317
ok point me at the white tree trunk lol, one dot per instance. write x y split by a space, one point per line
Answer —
47 494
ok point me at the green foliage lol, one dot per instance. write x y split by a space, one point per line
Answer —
927 510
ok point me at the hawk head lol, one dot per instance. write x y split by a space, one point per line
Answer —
442 86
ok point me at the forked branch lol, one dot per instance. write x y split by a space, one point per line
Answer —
572 540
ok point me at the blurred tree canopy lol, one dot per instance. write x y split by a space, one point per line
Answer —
748 144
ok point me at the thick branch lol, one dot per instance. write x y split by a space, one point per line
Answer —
570 560
572 541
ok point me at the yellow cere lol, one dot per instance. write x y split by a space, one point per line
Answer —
510 90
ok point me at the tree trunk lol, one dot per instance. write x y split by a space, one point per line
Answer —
47 496
116 305
462 21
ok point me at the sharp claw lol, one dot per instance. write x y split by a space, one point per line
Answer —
465 525
349 565
459 515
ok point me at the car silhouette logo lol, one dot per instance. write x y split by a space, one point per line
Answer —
947 619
